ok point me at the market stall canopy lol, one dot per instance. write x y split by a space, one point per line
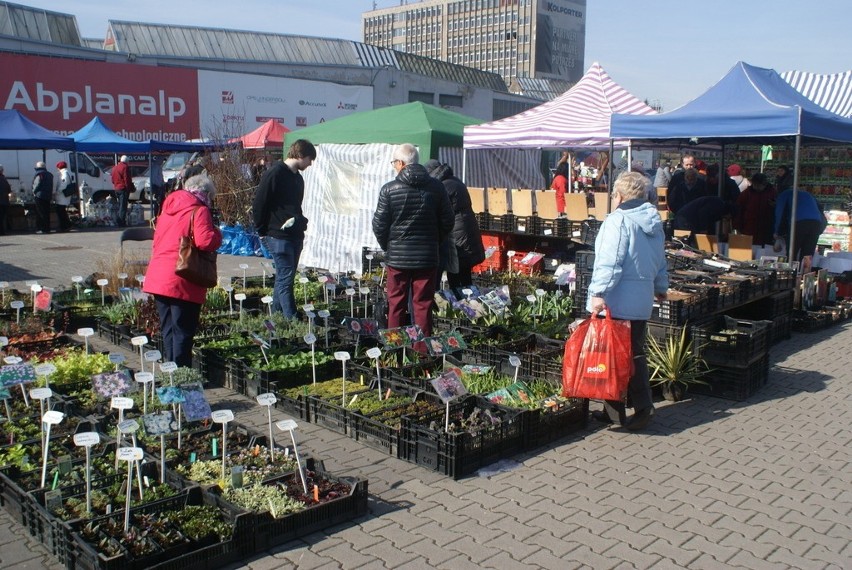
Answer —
831 91
578 117
268 135
426 126
95 136
18 132
750 103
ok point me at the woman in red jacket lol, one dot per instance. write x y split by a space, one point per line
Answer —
178 300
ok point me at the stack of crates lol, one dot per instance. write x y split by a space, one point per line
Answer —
584 262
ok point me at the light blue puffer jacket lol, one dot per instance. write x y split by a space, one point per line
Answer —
630 261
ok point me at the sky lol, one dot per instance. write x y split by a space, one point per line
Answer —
666 51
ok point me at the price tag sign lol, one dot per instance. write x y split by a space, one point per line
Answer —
540 292
52 417
341 355
12 359
77 279
139 340
85 332
310 314
122 275
303 280
364 290
350 291
324 314
266 399
467 291
240 297
128 426
514 361
121 403
322 279
266 300
152 355
222 416
143 377
286 425
116 357
45 369
35 288
140 278
310 338
374 352
86 439
41 393
17 304
168 366
129 453
102 282
308 308
244 266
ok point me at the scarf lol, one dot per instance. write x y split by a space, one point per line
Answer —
202 197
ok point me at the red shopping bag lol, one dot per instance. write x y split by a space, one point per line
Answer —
598 360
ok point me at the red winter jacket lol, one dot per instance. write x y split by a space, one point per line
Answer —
172 224
121 179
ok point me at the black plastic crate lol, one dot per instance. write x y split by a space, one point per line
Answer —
546 426
589 231
731 342
679 311
459 454
662 332
734 382
375 434
584 261
781 328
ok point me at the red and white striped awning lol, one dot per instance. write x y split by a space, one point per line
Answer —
831 91
578 117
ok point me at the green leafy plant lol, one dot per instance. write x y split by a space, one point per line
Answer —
673 363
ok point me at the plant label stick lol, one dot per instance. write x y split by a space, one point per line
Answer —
311 316
77 280
85 332
41 394
45 370
366 292
131 455
323 280
223 417
102 283
36 289
116 358
240 297
152 356
48 419
169 367
122 277
343 356
131 427
290 425
140 341
5 285
267 300
87 439
304 282
375 353
311 339
228 289
17 305
120 404
244 267
325 315
516 363
369 257
351 292
269 400
143 378
540 293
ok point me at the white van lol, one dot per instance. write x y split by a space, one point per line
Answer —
19 166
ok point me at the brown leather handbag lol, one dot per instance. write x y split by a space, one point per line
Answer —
193 264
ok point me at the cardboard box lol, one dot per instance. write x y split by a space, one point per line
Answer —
575 207
477 199
739 247
498 201
522 202
545 204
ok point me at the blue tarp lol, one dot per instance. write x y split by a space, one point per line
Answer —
18 132
748 103
237 241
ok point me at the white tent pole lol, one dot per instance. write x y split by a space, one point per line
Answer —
464 165
609 175
791 251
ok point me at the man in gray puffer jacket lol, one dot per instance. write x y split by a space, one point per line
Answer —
412 217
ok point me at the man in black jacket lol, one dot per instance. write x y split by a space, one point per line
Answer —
412 217
278 219
42 194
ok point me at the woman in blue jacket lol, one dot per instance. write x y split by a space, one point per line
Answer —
629 271
810 222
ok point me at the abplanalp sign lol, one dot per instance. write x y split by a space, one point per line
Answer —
137 101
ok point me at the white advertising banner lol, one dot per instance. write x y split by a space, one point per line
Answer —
341 191
232 104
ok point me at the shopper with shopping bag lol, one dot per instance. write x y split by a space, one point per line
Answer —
629 271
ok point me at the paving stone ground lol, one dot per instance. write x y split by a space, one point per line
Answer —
764 483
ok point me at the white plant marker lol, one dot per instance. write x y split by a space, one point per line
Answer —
223 417
116 358
76 280
86 332
170 367
131 427
290 425
87 439
140 341
375 353
351 292
3 286
120 403
323 280
267 300
309 312
45 369
48 419
516 363
229 289
330 292
102 283
467 292
240 297
264 265
36 289
325 315
43 396
540 293
369 257
269 400
17 305
144 378
131 455
311 339
122 277
244 267
343 356
382 278
511 256
304 281
366 292
140 279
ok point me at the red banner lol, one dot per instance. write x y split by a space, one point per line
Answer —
137 101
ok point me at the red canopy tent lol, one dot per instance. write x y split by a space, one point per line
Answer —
268 135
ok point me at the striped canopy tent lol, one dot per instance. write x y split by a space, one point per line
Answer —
832 92
577 118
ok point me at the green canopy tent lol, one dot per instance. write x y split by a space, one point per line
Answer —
425 126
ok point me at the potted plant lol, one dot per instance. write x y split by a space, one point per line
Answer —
674 365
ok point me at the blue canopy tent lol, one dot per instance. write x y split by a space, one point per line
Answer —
749 104
18 132
95 136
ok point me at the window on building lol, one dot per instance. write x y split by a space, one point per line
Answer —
421 96
450 100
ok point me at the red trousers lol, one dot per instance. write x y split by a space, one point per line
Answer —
421 283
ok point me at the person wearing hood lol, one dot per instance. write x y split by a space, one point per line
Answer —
42 194
629 272
413 216
179 300
465 236
60 200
